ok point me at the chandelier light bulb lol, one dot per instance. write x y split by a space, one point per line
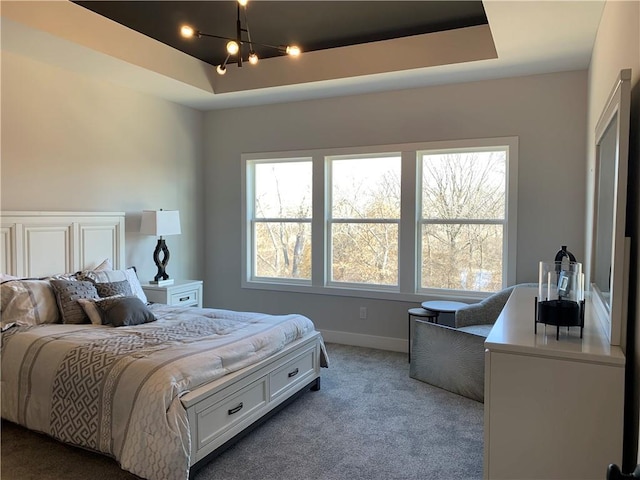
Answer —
187 32
232 48
253 58
293 50
221 70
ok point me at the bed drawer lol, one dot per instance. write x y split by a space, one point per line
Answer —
223 415
291 373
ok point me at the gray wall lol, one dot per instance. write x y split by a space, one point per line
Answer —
546 112
71 143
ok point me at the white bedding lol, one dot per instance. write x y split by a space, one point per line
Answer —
117 390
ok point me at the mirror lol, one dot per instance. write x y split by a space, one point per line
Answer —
608 260
605 161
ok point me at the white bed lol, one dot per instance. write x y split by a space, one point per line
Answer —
161 395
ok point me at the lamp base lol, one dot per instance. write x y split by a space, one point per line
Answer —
162 278
160 283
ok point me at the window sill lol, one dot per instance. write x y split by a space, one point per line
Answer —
467 297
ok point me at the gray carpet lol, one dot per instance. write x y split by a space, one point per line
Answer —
369 421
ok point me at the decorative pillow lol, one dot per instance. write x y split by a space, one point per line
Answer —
125 311
67 292
27 302
105 265
4 277
92 307
114 288
136 288
62 276
110 276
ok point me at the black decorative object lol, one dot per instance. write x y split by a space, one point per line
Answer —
159 223
614 473
560 300
161 247
564 254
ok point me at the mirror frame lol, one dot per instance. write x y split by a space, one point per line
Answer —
611 311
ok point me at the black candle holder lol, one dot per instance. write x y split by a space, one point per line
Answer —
560 300
560 313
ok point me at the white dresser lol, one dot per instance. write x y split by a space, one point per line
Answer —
553 408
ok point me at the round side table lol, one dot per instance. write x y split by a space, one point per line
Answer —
442 306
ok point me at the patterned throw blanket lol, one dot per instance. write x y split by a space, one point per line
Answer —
117 390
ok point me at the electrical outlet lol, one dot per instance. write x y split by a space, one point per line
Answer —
363 313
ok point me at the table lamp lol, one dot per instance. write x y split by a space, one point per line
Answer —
161 223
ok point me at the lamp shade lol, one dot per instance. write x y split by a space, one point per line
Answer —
160 223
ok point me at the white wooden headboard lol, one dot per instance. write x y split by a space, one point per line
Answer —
36 244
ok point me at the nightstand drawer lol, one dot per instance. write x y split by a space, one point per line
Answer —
182 293
185 298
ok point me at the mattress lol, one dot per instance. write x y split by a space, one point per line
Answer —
117 390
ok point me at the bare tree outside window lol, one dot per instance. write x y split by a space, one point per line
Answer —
282 223
365 217
452 203
463 219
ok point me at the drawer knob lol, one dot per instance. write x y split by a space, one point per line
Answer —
294 373
233 410
184 299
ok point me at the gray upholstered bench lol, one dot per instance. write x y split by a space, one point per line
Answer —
453 358
449 358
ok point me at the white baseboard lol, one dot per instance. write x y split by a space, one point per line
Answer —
369 341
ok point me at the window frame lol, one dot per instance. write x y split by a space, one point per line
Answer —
331 221
252 219
422 221
409 227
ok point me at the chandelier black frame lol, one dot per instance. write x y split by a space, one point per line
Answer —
234 45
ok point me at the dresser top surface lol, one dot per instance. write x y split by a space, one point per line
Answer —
514 332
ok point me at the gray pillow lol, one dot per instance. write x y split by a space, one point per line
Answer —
67 292
110 289
125 311
104 276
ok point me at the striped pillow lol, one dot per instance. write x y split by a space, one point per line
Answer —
27 302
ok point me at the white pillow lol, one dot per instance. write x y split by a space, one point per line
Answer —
28 302
105 265
134 282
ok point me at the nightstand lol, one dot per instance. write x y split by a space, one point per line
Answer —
187 293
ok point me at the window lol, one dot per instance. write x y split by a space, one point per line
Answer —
393 221
364 219
281 227
462 220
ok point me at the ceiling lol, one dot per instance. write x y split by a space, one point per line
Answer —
312 25
349 47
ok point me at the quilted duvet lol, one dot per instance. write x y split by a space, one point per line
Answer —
117 390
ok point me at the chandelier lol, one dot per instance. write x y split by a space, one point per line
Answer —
235 45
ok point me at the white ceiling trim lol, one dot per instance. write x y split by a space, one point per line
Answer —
530 37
